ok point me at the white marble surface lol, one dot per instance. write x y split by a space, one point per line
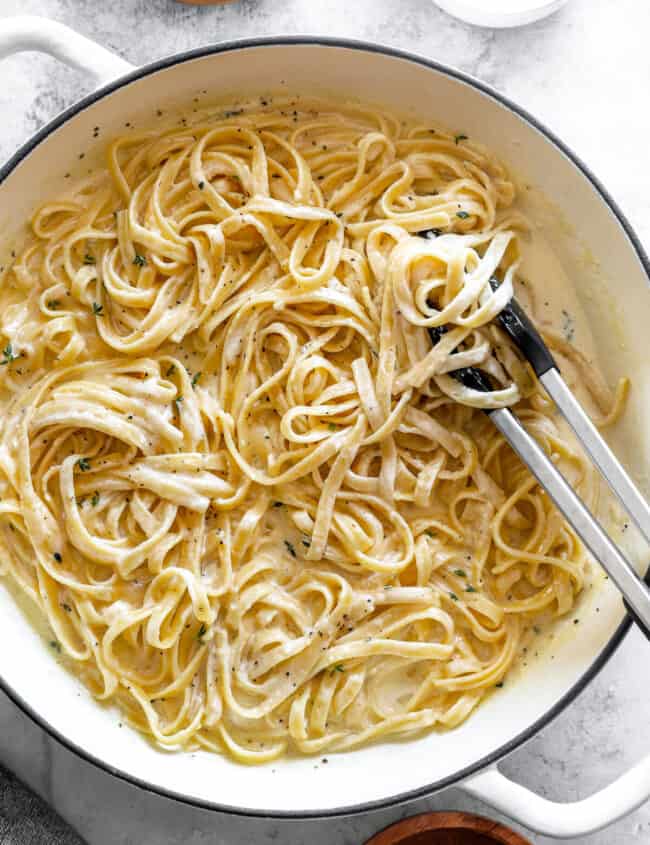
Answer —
584 72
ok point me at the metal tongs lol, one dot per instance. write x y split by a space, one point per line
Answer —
521 330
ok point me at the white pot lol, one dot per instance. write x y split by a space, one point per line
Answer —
386 773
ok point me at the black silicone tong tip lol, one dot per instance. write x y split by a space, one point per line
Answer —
518 326
468 376
473 378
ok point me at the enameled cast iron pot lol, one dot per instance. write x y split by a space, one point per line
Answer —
606 255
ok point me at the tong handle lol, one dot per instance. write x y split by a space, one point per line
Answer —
636 595
634 590
517 324
602 456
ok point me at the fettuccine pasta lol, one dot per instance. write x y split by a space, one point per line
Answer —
237 474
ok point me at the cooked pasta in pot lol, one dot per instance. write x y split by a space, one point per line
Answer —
236 474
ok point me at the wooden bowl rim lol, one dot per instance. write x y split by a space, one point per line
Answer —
430 822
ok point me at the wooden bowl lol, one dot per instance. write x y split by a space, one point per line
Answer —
447 829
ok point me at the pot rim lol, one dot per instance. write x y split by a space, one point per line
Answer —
613 643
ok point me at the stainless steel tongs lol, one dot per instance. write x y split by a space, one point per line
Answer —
520 328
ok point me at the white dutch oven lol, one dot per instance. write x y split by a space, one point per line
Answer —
387 773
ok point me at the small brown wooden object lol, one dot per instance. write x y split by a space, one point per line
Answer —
447 829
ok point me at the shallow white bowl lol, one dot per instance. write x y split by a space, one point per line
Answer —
500 13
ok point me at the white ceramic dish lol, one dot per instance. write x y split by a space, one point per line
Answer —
381 774
500 13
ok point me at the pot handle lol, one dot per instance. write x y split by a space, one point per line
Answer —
564 821
30 32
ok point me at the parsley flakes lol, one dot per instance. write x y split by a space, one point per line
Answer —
8 355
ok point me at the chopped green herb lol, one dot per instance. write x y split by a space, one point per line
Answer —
339 668
201 185
98 309
453 596
170 371
568 326
461 573
202 631
462 214
89 259
66 607
195 379
499 685
290 548
278 504
306 543
458 138
537 629
83 464
56 645
333 427
178 400
470 589
8 355
57 557
53 304
140 260
429 533
94 501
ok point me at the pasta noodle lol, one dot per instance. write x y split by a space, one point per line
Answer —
236 474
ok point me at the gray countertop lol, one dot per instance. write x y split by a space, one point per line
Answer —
584 72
